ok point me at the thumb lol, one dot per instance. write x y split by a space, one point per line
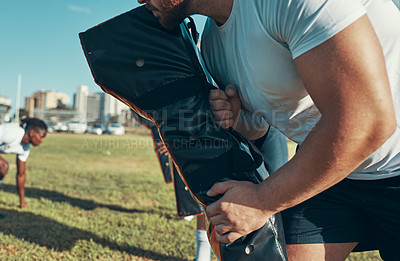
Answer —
220 188
233 97
231 91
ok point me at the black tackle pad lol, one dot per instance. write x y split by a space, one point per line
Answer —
157 73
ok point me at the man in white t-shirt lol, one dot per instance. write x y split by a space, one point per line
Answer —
17 140
326 74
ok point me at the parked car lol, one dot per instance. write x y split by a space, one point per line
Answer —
50 127
56 126
96 129
60 127
77 126
116 129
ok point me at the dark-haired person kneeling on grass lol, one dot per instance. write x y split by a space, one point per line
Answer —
17 140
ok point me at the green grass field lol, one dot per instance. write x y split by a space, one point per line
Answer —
96 198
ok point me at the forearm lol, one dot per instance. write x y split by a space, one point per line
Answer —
21 186
346 78
331 152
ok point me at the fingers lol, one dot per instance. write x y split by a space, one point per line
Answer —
214 209
218 94
221 108
220 223
237 212
225 105
222 229
220 188
225 233
23 205
228 237
220 105
219 101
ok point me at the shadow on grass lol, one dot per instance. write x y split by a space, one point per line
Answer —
77 202
60 237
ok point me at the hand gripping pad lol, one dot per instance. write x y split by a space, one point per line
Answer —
156 72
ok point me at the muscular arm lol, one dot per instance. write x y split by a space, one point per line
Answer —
21 177
347 80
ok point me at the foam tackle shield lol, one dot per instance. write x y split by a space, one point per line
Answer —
186 205
163 158
157 73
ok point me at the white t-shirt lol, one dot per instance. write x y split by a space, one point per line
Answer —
255 49
10 141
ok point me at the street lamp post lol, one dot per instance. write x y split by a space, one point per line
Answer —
18 98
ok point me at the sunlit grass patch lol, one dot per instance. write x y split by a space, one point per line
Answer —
96 198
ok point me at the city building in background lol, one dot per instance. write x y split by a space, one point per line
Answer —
112 110
87 109
98 107
80 102
49 106
93 107
45 100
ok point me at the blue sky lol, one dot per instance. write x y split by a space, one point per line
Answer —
39 39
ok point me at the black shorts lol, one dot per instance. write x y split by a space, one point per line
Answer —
367 212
